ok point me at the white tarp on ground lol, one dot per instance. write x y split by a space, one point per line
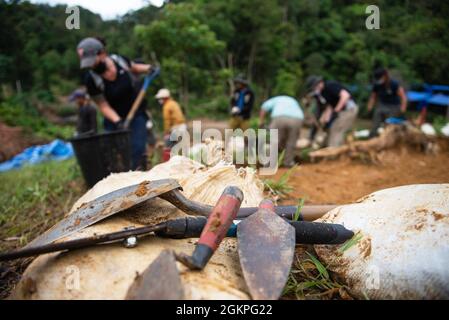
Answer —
403 247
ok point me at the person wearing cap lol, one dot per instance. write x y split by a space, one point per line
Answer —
87 114
112 83
390 97
287 117
242 102
174 120
338 109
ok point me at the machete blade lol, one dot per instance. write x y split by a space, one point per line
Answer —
103 207
266 245
160 281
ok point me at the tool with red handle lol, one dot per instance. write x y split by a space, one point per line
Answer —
215 229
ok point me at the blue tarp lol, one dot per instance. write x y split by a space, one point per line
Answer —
56 150
439 99
416 96
430 95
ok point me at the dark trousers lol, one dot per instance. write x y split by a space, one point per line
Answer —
139 138
381 113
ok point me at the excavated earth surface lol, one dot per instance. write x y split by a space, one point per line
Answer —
344 181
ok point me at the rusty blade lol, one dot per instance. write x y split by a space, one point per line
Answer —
160 281
105 206
266 245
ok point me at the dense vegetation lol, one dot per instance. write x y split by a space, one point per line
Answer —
201 44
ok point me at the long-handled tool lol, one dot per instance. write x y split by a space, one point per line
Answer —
266 246
308 213
103 207
169 190
215 229
160 281
146 83
187 227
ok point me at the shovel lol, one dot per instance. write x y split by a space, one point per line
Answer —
266 246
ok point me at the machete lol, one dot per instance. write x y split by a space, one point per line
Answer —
266 246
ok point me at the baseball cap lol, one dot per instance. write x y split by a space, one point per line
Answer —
312 81
241 79
79 93
88 49
378 73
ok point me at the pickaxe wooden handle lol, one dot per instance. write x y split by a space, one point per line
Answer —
146 83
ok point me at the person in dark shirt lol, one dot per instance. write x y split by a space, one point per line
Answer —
390 97
338 110
112 84
242 102
87 114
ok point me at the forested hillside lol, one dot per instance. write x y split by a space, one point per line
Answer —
201 44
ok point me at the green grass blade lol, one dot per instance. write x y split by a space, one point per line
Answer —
321 269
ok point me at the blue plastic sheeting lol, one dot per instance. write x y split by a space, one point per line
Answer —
57 150
436 87
439 99
394 120
415 96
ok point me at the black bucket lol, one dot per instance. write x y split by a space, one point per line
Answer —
102 154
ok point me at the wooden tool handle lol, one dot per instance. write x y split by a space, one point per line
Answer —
134 107
148 79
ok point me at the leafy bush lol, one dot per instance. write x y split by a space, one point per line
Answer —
16 112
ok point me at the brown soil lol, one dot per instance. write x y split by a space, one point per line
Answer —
344 181
14 140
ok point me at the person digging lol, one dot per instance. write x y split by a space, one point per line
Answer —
287 117
339 110
111 81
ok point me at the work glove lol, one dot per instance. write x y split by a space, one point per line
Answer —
119 125
235 111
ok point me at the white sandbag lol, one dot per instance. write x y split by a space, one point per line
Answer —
428 129
403 247
107 271
445 130
210 152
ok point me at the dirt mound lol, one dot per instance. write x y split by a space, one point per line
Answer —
13 140
344 181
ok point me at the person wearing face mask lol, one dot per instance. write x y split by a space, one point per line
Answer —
390 97
174 120
338 110
111 81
